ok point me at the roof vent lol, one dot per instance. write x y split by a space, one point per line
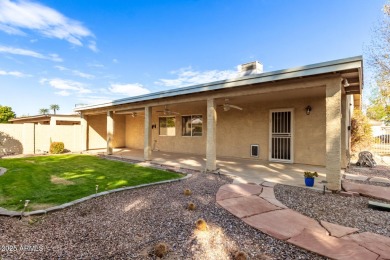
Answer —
250 68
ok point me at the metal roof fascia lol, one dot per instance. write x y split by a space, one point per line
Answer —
309 70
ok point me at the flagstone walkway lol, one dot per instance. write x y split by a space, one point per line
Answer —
257 206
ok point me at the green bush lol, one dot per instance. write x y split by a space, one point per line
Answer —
56 147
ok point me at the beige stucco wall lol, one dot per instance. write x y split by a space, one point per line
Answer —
31 138
97 131
11 137
119 131
237 130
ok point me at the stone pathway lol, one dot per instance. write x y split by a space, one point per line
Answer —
356 177
372 191
257 206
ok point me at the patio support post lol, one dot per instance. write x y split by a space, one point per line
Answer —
148 134
211 153
333 134
110 131
84 132
344 132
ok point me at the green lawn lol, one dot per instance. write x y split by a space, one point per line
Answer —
52 180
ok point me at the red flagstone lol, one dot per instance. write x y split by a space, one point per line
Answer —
243 189
268 192
337 230
283 224
368 190
247 206
223 195
331 247
276 203
373 242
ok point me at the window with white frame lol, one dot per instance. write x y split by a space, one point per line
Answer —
192 125
167 126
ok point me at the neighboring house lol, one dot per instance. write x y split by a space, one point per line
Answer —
299 115
49 119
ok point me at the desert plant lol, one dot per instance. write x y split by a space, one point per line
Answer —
161 249
361 132
201 224
240 256
191 206
310 174
56 147
187 192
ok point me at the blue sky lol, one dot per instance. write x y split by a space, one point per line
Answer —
83 52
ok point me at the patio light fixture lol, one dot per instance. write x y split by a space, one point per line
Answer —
308 110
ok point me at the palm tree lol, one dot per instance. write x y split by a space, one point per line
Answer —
54 107
43 111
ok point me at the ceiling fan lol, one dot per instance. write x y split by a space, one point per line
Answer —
226 106
167 111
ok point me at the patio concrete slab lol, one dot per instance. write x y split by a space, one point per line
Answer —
355 177
368 190
373 242
243 189
224 194
246 170
331 247
247 206
283 224
379 179
337 230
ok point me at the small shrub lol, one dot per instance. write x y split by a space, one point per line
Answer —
191 206
240 256
310 174
161 249
56 147
201 224
187 192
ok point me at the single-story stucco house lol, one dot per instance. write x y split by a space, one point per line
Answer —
298 115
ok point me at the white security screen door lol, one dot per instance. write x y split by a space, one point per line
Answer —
281 145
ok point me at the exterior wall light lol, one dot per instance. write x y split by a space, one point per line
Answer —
154 126
308 110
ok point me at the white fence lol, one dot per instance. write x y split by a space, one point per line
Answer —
381 144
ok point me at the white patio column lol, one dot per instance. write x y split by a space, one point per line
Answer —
333 134
84 132
211 142
110 131
148 134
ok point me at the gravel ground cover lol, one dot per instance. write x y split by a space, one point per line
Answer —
334 208
127 225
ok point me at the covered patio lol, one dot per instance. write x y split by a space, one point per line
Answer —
244 170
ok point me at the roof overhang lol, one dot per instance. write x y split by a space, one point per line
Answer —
350 69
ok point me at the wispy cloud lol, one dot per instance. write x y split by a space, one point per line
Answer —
134 89
17 74
30 53
92 46
95 65
16 16
188 76
76 72
66 87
